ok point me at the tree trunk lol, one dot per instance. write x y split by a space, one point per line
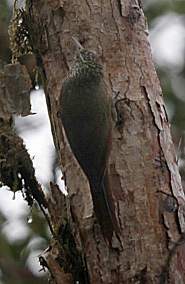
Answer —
146 186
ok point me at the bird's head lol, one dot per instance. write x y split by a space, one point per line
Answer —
86 62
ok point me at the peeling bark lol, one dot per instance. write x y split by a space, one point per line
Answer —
16 167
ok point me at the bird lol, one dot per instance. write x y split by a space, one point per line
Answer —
86 118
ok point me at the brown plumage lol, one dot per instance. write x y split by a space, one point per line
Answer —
86 117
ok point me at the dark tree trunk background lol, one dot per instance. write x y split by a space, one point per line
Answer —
146 184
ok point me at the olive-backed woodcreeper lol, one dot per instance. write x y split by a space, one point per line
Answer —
86 117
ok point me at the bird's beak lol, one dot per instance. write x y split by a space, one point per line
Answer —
78 45
79 48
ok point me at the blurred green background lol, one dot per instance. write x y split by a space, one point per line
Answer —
22 239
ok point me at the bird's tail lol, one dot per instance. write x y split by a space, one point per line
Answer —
104 207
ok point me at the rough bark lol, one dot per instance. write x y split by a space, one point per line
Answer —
16 167
146 185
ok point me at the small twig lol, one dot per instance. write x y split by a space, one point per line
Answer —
48 220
